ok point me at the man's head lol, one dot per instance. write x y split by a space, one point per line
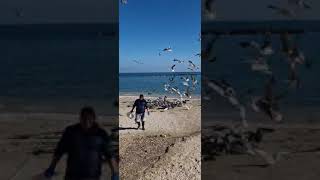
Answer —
87 117
141 96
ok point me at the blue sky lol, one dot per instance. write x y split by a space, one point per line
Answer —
148 26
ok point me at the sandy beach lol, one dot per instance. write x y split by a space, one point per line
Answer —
300 142
169 148
27 141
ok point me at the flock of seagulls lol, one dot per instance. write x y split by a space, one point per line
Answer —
189 82
268 102
291 54
290 10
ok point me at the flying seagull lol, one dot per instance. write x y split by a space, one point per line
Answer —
209 9
138 62
299 3
225 90
172 68
168 49
177 60
282 11
124 1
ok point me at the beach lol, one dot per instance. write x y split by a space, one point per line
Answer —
169 147
27 142
296 140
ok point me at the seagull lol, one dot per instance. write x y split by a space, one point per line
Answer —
185 83
185 79
194 81
171 79
187 93
166 87
191 64
176 90
138 62
265 49
259 64
293 78
295 57
214 59
177 60
18 13
172 68
190 69
209 9
225 90
285 43
268 103
299 3
168 49
124 1
282 11
208 49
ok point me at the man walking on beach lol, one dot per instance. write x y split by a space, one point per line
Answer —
87 146
140 105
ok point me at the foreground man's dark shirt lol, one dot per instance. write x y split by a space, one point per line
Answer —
85 149
140 105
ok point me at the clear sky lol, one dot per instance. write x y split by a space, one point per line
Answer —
148 26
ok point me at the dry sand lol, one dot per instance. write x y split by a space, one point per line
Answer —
302 142
169 148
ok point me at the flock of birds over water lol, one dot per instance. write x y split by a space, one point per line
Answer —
181 85
259 62
226 138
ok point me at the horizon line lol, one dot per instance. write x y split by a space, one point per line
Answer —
161 72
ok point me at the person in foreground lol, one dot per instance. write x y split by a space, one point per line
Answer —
87 146
140 105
